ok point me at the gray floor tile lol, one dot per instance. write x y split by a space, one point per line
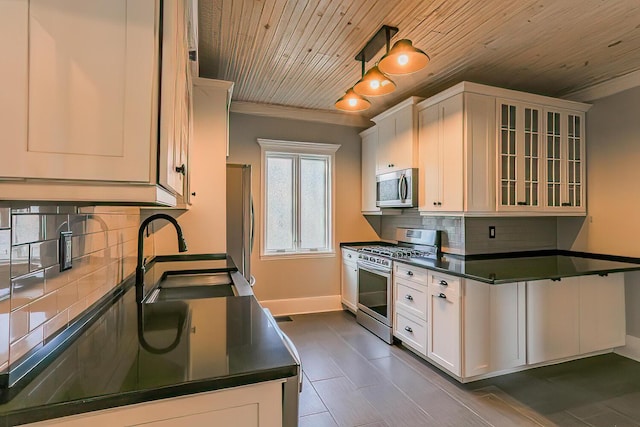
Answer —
310 402
564 419
395 407
345 403
322 419
610 419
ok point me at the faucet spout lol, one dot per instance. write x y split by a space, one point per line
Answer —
182 246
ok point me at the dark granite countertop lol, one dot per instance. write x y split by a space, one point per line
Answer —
509 268
137 352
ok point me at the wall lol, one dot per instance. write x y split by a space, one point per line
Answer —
314 277
452 228
613 200
36 299
204 224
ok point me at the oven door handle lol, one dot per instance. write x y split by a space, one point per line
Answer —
367 267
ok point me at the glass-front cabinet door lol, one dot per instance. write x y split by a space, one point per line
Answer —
519 155
565 161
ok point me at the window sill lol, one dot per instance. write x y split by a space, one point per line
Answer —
290 255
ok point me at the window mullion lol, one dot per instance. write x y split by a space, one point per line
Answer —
296 211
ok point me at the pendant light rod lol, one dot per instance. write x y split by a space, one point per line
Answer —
375 43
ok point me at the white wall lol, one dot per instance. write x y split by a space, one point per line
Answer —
613 192
303 278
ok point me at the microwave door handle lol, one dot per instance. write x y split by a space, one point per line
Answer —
403 187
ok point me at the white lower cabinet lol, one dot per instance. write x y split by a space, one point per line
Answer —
349 279
475 330
444 333
247 406
576 315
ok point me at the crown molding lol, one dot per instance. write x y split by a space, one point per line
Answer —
283 112
610 87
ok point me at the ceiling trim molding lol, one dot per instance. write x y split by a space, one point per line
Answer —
283 112
610 87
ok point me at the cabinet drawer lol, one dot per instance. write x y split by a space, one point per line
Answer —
411 298
443 292
408 272
445 283
411 332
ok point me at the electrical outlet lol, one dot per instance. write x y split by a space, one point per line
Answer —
492 232
65 250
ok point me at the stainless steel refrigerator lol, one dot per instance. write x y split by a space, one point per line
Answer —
240 218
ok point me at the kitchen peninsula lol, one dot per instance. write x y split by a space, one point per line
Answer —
153 354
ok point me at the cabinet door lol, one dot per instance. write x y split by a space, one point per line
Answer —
451 149
386 137
175 114
553 319
92 68
350 286
369 145
519 154
602 312
565 161
429 169
443 339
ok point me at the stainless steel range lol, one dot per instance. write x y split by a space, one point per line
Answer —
375 281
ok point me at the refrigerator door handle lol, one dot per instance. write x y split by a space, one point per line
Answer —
251 235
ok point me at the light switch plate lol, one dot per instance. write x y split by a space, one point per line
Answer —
65 250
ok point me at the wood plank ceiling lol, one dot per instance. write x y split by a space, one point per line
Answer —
301 53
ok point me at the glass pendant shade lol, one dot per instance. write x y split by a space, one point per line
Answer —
374 83
351 101
403 58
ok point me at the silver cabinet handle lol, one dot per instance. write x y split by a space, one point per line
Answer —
349 255
409 273
408 329
443 283
408 297
442 295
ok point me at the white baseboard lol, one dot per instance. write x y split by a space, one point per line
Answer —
283 307
631 349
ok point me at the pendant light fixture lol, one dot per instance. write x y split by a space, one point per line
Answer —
403 58
351 101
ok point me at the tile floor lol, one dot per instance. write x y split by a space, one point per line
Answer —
352 378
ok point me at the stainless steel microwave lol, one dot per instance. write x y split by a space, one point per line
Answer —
397 189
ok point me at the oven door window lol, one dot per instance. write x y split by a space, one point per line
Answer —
372 292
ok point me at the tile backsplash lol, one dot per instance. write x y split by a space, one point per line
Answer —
37 300
470 235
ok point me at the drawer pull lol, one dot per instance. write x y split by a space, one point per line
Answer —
409 273
349 255
408 329
408 297
442 295
443 283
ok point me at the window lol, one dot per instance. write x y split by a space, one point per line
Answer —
297 198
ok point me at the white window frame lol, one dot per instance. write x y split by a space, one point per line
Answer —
296 148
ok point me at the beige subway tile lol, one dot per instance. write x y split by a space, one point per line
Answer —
67 296
4 365
19 324
26 288
24 345
42 310
77 309
55 279
56 323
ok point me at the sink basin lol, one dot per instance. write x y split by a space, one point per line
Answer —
194 292
176 287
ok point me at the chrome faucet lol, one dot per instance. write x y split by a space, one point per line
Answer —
140 269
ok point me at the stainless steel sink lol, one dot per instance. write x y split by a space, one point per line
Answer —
175 287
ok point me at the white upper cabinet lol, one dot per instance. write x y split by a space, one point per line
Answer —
369 146
519 156
95 106
456 153
489 151
565 161
78 83
397 146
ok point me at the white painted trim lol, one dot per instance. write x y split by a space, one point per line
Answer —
292 113
406 103
298 146
283 307
219 84
511 95
631 349
608 88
